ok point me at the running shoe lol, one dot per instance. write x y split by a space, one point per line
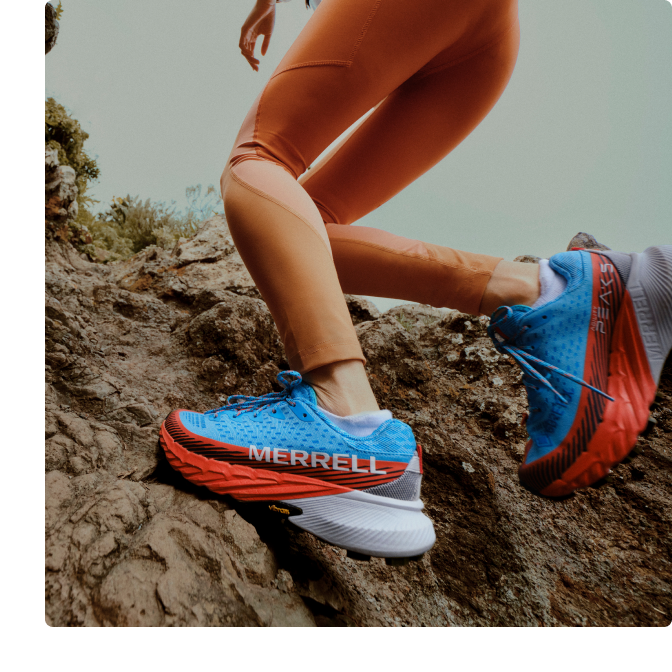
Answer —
357 488
591 362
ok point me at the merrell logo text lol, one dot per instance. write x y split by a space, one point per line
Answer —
301 457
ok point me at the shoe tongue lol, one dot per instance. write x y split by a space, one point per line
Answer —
304 392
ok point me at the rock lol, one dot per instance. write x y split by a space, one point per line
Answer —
60 198
129 542
414 317
207 262
528 259
395 364
140 557
582 240
212 243
361 309
239 329
586 241
50 27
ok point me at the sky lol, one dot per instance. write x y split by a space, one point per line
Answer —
581 139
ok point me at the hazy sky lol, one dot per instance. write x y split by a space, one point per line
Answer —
580 140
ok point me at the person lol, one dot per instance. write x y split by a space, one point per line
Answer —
590 330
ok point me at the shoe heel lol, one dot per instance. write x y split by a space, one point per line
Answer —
650 288
366 524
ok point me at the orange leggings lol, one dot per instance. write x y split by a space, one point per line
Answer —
432 69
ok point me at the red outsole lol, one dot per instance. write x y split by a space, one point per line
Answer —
243 483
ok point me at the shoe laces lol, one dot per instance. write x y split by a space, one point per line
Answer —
241 403
506 344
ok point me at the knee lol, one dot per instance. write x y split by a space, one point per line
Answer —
230 184
230 196
225 179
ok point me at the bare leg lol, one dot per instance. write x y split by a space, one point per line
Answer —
511 284
343 388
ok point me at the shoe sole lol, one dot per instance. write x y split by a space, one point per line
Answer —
631 381
367 524
357 521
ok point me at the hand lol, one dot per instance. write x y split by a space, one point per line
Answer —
260 22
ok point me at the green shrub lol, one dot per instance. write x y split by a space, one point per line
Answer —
129 224
404 321
66 135
204 205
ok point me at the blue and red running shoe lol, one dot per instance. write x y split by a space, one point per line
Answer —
591 362
359 492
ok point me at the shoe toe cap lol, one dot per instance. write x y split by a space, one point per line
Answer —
197 424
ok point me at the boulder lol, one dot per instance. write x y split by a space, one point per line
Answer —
586 241
50 27
528 259
129 542
361 309
60 190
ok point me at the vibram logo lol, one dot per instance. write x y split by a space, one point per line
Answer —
277 509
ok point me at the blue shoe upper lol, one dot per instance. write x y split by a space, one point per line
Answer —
291 420
549 344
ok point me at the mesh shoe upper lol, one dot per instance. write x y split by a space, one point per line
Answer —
288 421
551 345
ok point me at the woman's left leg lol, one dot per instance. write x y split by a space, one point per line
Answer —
413 129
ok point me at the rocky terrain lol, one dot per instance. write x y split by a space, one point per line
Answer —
129 542
51 27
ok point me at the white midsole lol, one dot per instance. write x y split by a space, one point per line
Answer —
367 524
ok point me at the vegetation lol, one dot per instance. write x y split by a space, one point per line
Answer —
129 224
65 134
404 321
426 320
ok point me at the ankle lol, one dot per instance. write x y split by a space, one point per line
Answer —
342 388
512 284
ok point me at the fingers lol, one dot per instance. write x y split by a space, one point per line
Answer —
264 46
247 45
259 22
254 62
